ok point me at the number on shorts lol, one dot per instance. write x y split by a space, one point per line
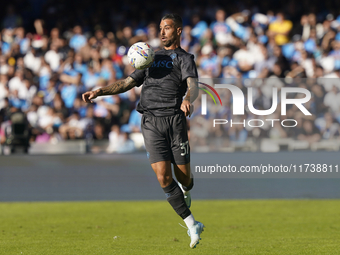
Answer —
185 147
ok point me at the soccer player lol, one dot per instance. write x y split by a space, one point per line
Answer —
172 76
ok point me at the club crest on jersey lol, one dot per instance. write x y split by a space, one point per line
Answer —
173 55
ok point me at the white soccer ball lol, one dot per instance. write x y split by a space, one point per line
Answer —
141 55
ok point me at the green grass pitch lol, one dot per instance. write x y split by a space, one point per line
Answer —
232 227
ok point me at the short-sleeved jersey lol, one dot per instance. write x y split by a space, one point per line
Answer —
164 83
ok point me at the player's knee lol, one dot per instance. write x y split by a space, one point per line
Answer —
190 185
186 181
164 180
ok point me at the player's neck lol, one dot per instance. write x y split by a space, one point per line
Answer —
176 45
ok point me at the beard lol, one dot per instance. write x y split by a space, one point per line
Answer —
169 42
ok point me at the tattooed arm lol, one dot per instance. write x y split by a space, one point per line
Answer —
112 89
192 93
191 96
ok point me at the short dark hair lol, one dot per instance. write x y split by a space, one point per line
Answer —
175 18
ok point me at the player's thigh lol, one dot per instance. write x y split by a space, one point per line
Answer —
183 173
156 144
163 172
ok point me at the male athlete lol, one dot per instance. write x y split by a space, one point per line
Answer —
164 128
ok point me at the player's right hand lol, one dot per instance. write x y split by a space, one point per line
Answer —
87 96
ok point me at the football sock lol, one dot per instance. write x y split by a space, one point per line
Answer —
175 197
189 221
187 188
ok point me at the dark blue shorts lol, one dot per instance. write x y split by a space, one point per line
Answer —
166 138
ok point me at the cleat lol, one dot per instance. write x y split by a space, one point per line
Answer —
186 194
194 233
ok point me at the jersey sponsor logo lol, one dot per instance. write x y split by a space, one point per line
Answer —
163 63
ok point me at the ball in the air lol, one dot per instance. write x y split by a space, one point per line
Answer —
141 55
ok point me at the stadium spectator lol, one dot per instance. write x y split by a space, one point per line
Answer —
280 29
220 29
329 128
11 20
78 40
309 132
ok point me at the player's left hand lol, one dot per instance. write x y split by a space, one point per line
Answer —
187 108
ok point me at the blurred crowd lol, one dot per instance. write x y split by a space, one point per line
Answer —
53 51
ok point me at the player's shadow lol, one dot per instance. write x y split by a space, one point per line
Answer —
161 67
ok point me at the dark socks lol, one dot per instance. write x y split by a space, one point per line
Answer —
175 197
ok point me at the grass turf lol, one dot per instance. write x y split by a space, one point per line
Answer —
232 227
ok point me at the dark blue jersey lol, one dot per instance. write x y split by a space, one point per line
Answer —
164 83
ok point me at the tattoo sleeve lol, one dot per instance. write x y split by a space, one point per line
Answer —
117 87
192 93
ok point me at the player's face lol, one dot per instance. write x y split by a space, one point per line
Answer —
168 32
